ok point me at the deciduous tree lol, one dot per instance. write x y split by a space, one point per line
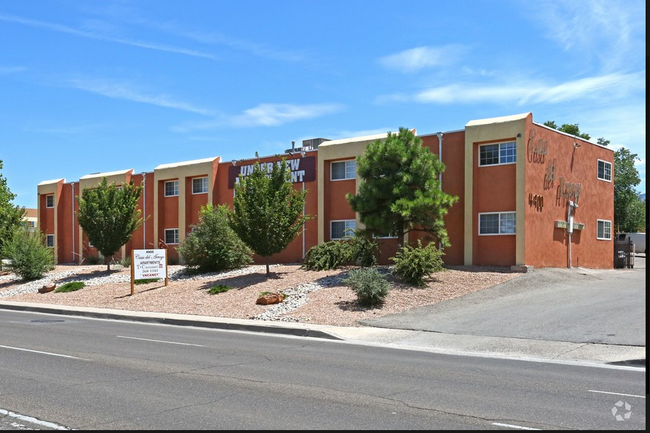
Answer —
109 215
267 211
11 216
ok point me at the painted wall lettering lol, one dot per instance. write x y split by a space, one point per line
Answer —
537 148
568 190
302 170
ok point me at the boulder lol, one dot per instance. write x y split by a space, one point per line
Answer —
270 298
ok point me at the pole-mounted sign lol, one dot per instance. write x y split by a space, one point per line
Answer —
148 264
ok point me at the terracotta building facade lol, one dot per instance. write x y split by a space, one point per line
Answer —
528 196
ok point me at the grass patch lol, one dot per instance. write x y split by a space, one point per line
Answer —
70 287
219 288
146 280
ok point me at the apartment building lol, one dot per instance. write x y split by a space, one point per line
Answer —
529 196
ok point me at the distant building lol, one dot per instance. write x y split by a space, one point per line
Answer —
30 220
529 196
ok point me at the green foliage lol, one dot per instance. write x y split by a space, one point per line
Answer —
268 211
109 215
219 288
357 249
72 286
413 264
629 208
146 281
400 188
29 256
370 286
94 260
126 262
212 245
573 129
10 215
328 255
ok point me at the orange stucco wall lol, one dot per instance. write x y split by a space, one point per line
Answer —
554 165
336 203
494 191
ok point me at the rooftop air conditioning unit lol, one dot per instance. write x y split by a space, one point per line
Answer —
313 143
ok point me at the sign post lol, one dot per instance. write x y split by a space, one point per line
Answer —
146 264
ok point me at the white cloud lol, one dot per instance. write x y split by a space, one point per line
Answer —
277 114
121 91
69 30
415 59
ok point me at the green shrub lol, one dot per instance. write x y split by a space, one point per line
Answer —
126 262
146 280
328 255
219 288
70 287
29 256
370 286
94 260
212 245
364 249
413 264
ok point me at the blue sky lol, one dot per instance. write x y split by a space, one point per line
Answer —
100 86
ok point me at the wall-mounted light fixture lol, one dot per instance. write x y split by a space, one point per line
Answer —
576 144
234 163
303 153
519 135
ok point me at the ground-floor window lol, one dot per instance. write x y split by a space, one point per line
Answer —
604 230
171 236
497 223
49 241
340 229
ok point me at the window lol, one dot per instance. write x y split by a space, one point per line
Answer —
171 236
604 170
500 153
497 223
343 170
49 200
604 230
49 241
200 185
339 229
171 188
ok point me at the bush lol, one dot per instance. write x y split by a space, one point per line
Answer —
328 255
146 280
413 264
358 249
212 245
219 288
29 256
126 262
70 287
370 286
95 260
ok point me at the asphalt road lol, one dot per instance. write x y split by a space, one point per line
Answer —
569 305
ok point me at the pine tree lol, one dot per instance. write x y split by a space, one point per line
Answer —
400 189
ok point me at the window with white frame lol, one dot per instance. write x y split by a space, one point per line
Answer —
604 228
498 153
171 236
49 200
497 223
604 170
200 185
171 188
343 170
340 229
49 241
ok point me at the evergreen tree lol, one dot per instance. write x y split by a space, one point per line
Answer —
268 211
400 190
10 216
109 215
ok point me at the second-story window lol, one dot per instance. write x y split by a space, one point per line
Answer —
49 200
499 153
200 185
343 170
171 188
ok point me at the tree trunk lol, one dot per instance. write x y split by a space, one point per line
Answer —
108 264
268 272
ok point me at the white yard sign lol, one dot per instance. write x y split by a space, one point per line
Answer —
148 264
